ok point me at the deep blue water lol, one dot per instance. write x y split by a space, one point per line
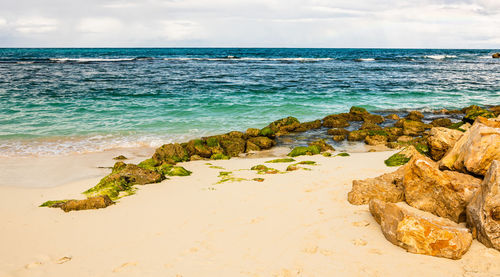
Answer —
73 100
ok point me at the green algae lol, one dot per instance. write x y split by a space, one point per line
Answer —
178 171
216 167
225 173
258 179
457 125
266 132
343 154
302 150
326 154
212 142
219 156
52 203
284 160
262 169
396 160
307 163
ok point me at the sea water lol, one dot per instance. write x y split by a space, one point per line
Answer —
60 101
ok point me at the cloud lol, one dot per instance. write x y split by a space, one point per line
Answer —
288 23
35 25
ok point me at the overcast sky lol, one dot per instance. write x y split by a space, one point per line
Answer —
250 23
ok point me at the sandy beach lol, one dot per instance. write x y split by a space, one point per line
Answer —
293 224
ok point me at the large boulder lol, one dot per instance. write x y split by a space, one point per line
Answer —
198 147
420 232
483 212
387 187
306 126
233 146
170 153
440 140
443 193
476 149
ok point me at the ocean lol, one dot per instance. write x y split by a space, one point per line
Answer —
61 101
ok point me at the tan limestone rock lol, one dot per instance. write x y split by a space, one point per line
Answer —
440 140
387 187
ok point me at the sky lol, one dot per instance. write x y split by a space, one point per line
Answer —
251 23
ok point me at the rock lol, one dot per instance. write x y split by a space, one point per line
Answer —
402 157
412 127
393 131
387 187
405 139
496 56
262 142
357 135
251 147
339 137
392 116
284 126
119 158
441 122
316 124
323 146
483 212
252 132
415 116
370 126
335 123
473 112
343 116
196 158
495 110
198 147
394 145
476 149
373 118
420 232
440 140
122 178
170 153
97 202
375 140
302 150
267 132
233 146
338 132
443 193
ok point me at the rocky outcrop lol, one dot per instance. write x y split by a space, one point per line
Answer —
483 212
97 202
387 187
306 126
322 145
440 140
262 142
496 56
443 193
476 149
473 112
335 121
284 126
392 116
441 122
171 153
420 232
415 116
412 127
338 134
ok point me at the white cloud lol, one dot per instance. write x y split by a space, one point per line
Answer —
99 25
35 25
3 22
179 30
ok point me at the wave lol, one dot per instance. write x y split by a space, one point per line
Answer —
86 60
364 60
230 58
440 57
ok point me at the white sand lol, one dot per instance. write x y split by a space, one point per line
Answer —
293 224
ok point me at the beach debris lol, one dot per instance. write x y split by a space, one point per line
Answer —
476 149
387 187
440 140
64 259
420 232
443 193
483 212
121 157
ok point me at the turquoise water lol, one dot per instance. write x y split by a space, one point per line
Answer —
56 101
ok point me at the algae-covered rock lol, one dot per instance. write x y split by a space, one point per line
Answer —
473 112
219 156
373 118
262 169
171 153
251 147
420 232
357 135
262 142
323 146
122 178
284 126
119 158
343 154
441 122
302 150
267 132
233 146
96 202
415 116
392 116
375 140
334 122
178 171
198 147
370 126
387 187
402 157
316 124
412 127
337 131
252 132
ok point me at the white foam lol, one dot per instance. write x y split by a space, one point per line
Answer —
249 59
365 59
440 57
84 60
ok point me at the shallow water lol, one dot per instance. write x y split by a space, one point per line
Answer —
55 101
